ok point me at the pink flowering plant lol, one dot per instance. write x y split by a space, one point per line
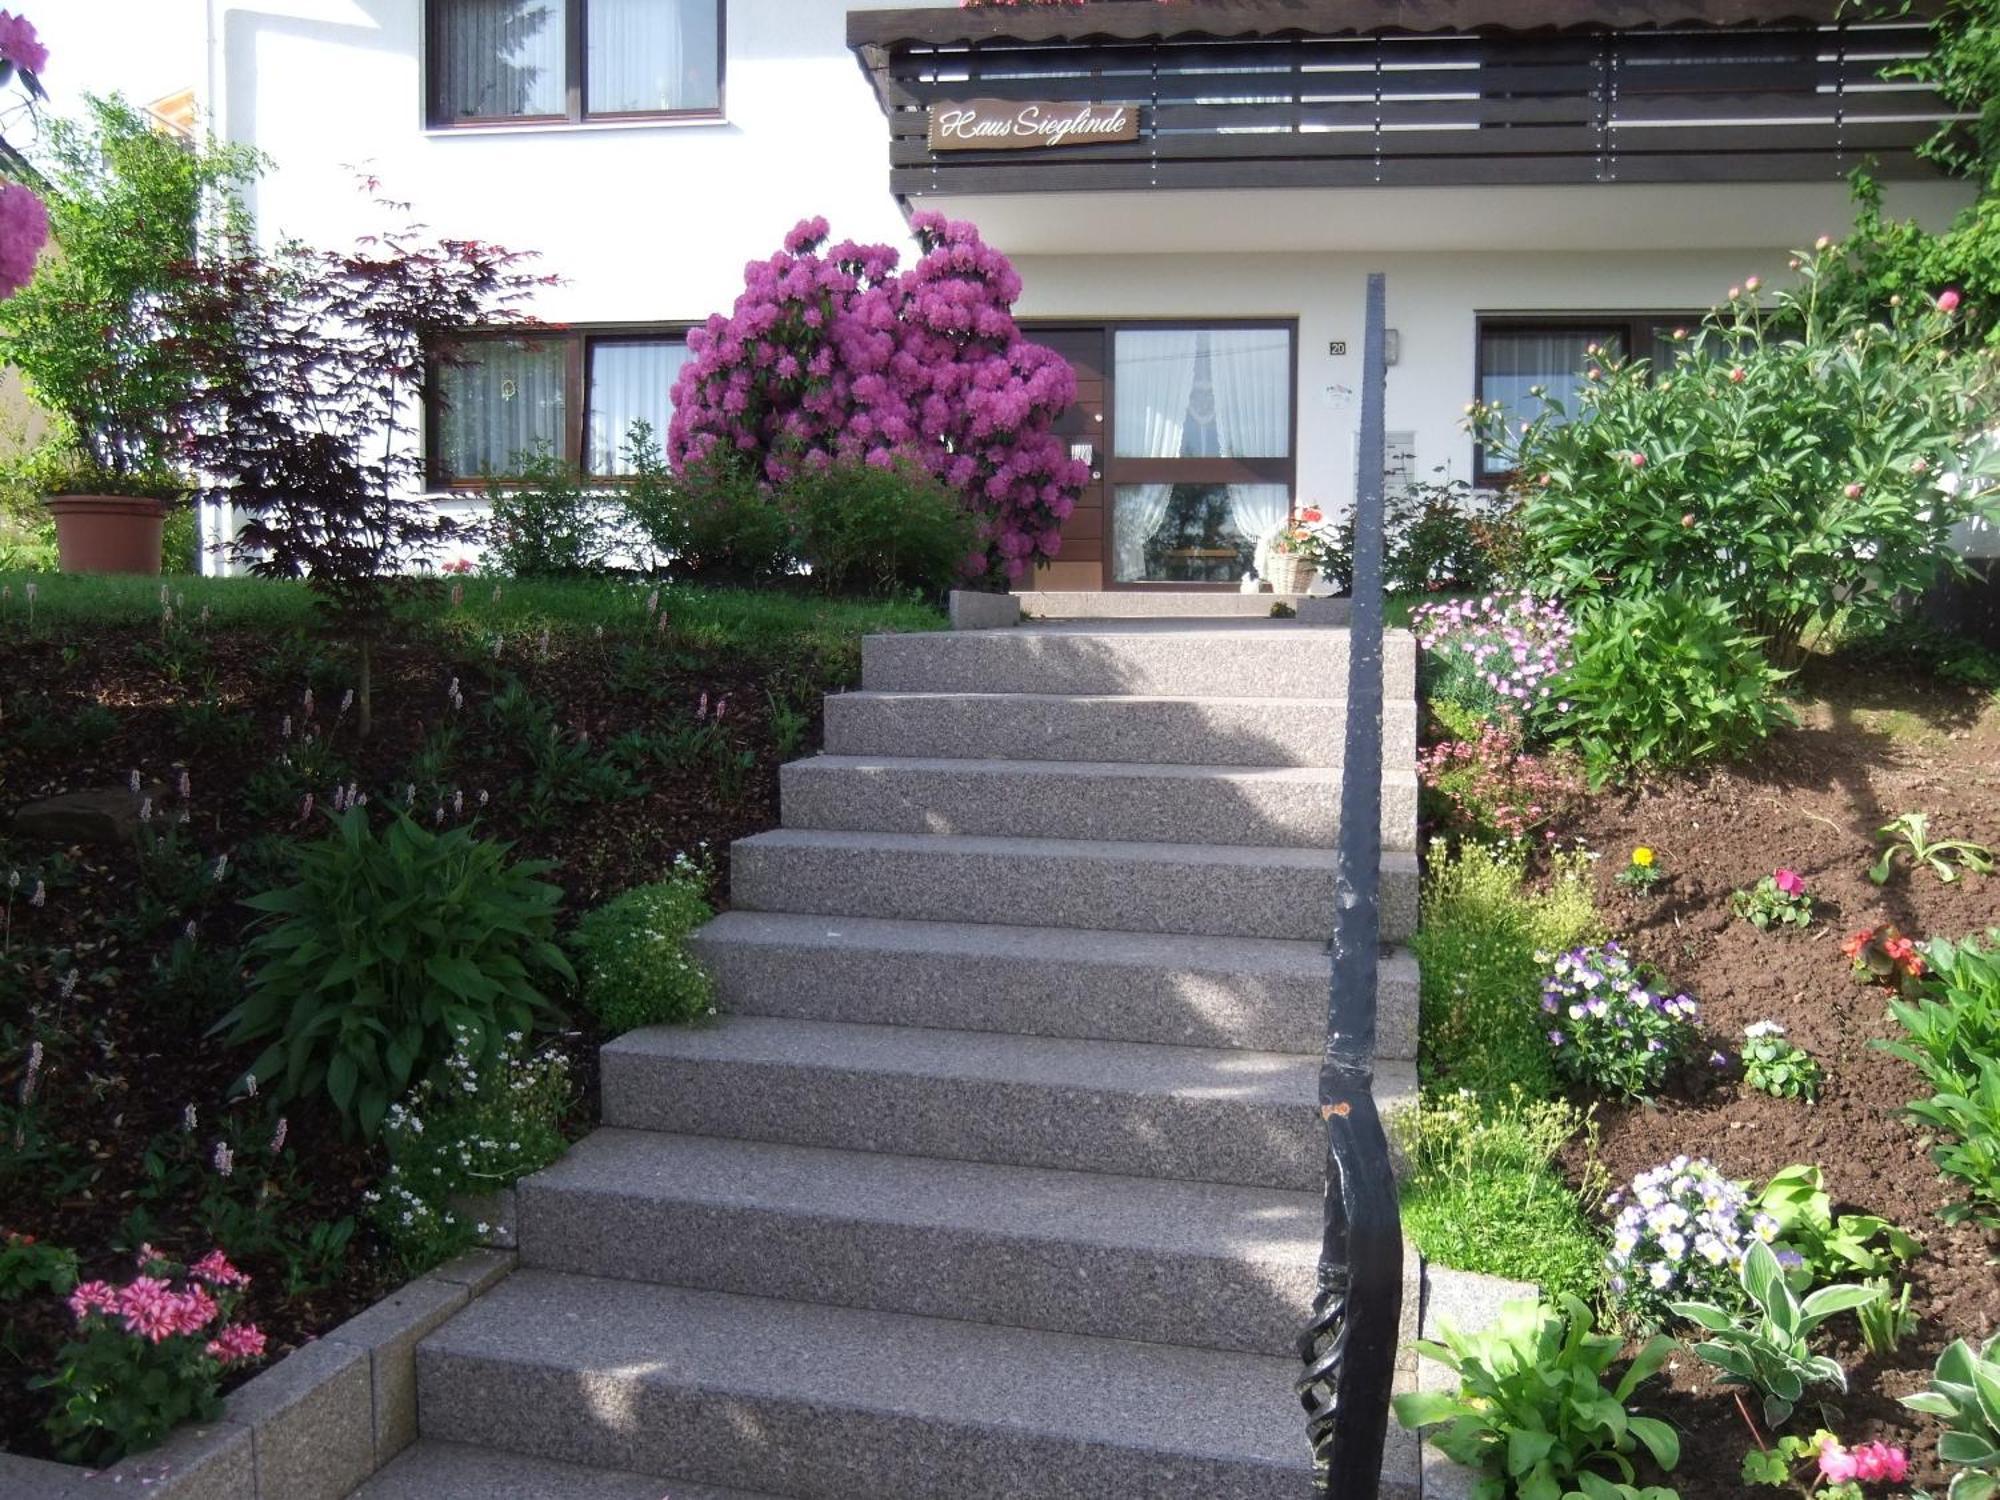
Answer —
1612 1027
147 1355
24 217
1489 787
837 355
1821 1467
1778 900
1499 655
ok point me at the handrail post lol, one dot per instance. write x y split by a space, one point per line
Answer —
1349 1348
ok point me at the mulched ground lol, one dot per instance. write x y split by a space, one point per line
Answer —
1871 745
128 1064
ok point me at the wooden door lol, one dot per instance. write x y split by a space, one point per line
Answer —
1080 563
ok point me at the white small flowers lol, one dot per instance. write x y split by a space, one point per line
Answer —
190 1121
223 1159
39 896
1763 1028
278 1136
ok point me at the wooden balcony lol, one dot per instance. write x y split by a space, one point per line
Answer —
1354 93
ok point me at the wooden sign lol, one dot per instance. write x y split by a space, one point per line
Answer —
1012 125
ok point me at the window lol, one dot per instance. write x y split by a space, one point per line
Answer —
1516 355
1201 464
573 60
578 392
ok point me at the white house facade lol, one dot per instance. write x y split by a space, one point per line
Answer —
1193 192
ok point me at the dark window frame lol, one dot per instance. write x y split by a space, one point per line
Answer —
577 340
1636 329
576 72
1119 471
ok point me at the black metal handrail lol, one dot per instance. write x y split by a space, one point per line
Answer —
1349 1348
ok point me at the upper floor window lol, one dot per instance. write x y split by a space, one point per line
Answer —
573 60
576 393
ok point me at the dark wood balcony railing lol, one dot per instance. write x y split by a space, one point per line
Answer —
1331 93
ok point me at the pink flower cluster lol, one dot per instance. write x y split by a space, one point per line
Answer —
152 1308
19 45
1870 1462
1488 787
1791 882
1517 645
24 229
833 355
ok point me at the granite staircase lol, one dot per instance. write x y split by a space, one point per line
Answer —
1001 1176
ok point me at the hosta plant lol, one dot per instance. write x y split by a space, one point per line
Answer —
1953 1040
1828 1244
1965 1393
1532 1414
1908 836
1770 1350
388 953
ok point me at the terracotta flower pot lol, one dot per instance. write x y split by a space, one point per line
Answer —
108 533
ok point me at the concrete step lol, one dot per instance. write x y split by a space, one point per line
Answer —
1161 604
1072 1252
1069 727
841 1404
1182 658
1199 889
1278 806
1123 1108
432 1470
1258 993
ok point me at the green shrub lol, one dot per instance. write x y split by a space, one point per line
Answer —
1438 536
449 1144
1664 680
1788 464
869 530
1532 1415
545 524
389 953
1483 1192
713 521
1965 1394
1476 947
637 969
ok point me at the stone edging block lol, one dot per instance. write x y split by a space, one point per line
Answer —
312 1427
976 611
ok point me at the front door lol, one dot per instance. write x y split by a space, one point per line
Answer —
1084 429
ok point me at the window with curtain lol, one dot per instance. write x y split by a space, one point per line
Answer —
1516 355
631 380
573 59
578 391
1201 466
499 398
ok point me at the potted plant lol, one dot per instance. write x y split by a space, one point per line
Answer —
93 329
1294 553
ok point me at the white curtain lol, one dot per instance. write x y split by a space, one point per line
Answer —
500 58
1257 510
1137 512
501 397
1152 381
649 55
630 380
1512 361
1252 372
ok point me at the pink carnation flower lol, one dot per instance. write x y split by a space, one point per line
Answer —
215 1269
149 1309
194 1310
237 1342
93 1297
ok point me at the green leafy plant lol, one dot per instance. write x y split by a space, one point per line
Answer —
545 524
1532 1414
1483 1192
1908 835
1803 459
1642 871
1887 1321
385 954
1663 680
711 520
634 956
1778 900
862 529
1828 1244
1774 1064
1769 1350
1808 1466
1439 535
29 1268
1965 1393
1953 1040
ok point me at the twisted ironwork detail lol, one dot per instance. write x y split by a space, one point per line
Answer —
1322 1348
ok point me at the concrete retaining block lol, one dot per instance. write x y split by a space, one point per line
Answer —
388 1333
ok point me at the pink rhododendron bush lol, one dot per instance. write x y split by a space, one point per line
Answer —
839 356
24 219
